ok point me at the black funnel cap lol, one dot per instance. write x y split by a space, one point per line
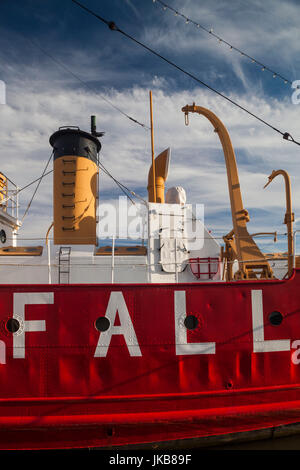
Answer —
73 141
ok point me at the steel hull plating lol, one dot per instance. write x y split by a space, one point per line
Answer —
147 378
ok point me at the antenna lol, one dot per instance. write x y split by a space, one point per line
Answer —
94 128
152 146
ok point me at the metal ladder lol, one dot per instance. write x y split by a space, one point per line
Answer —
64 265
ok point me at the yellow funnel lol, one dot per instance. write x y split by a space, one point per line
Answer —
75 179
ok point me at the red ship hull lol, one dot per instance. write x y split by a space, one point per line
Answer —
59 391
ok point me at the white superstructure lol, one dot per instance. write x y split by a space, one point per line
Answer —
164 256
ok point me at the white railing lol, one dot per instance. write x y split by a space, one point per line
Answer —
112 269
10 199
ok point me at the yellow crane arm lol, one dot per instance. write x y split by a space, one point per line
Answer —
289 215
249 255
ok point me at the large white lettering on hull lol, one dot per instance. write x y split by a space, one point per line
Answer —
20 300
182 346
117 304
296 354
2 352
259 342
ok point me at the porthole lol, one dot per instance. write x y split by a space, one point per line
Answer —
275 318
191 322
12 325
229 385
102 324
2 236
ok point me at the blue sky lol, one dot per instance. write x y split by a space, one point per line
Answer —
42 95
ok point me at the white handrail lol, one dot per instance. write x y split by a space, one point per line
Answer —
112 259
49 261
176 270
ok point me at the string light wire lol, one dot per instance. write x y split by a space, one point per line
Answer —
112 26
222 41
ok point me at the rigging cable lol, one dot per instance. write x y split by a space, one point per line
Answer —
18 190
116 181
121 185
221 40
112 26
87 85
37 187
34 181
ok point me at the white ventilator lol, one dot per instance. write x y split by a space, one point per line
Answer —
176 195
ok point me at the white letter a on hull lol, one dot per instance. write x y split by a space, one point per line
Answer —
117 304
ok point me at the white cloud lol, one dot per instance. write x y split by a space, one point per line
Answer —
197 160
266 30
42 97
